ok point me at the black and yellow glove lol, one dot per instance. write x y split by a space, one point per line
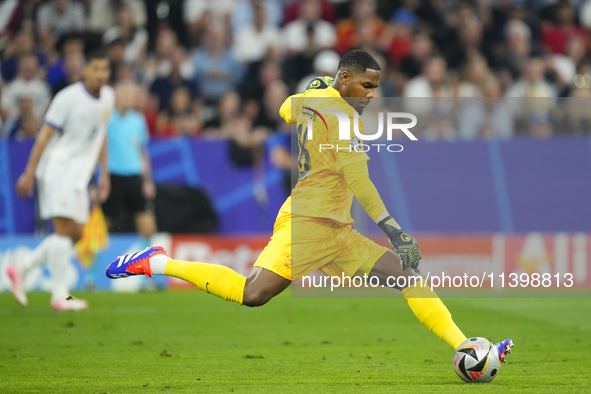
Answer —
405 246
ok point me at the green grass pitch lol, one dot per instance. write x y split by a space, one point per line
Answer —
189 342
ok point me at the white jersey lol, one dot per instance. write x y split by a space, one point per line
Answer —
80 120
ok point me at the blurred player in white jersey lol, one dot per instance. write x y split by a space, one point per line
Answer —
62 162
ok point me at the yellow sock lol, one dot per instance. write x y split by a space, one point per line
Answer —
430 311
212 278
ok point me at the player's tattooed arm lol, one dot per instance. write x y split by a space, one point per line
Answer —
26 182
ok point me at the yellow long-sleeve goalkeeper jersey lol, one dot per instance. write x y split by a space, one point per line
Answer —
322 190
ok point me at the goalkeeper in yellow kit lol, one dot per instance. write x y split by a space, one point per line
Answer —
313 228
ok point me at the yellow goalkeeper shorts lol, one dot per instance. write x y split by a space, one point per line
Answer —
300 245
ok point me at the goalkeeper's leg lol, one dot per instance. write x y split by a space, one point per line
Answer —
425 304
255 290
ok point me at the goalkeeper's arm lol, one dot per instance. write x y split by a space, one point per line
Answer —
406 247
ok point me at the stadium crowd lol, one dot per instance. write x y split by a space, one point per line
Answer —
222 68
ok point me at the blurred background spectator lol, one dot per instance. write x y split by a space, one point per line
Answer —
103 13
363 22
28 84
254 41
58 17
218 69
170 78
135 38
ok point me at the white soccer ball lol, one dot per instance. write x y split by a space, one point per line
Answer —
477 360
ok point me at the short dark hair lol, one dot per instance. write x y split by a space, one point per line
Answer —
96 54
359 60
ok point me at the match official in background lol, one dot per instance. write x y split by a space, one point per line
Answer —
132 188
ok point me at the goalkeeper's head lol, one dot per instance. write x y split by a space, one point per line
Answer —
357 78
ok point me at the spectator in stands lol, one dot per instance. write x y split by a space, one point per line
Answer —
69 46
532 83
14 123
470 43
216 68
434 76
366 40
473 76
178 119
116 53
246 142
243 12
517 49
103 13
433 82
163 86
73 65
9 11
397 38
135 38
440 127
158 64
565 66
574 117
228 108
460 30
28 84
253 90
132 187
188 125
556 35
253 42
268 116
58 17
304 39
292 11
540 125
363 16
148 107
126 72
531 114
585 14
488 117
309 31
29 126
23 43
279 148
421 49
199 15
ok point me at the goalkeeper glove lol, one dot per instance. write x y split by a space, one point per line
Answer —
405 246
319 83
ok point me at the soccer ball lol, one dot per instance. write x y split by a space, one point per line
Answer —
477 360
